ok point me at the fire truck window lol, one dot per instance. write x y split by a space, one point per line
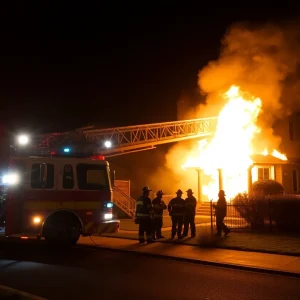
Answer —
92 177
42 176
68 177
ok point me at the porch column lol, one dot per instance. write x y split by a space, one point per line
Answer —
199 171
221 183
250 179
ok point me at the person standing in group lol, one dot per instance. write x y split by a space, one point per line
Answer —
190 212
221 211
144 213
176 208
158 206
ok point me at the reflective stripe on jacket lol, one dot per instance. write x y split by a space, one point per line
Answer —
143 207
176 207
158 206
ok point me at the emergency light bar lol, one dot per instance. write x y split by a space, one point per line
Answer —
98 157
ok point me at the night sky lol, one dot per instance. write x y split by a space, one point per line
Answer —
64 67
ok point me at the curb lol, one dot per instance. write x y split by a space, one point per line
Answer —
12 291
198 261
259 251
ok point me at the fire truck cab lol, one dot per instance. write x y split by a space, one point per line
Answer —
59 198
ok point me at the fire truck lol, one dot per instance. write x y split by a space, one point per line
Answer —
59 198
59 195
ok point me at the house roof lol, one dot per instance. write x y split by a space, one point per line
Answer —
267 159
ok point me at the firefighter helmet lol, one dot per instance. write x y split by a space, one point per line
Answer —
146 190
221 193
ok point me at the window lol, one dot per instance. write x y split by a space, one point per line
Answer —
295 181
263 173
68 177
42 176
92 177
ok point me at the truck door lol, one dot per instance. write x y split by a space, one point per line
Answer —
66 193
40 194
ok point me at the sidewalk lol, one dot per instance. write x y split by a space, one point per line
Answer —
129 225
243 241
261 262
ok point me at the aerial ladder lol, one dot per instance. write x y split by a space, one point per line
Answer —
123 140
126 139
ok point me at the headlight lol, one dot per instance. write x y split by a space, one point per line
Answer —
108 216
36 220
11 179
109 205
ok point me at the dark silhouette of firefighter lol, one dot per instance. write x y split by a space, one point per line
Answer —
176 208
190 212
158 206
221 211
144 215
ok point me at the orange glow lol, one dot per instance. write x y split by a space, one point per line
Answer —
231 146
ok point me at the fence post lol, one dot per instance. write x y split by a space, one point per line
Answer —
211 217
270 216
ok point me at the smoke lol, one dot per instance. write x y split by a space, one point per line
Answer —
263 60
171 176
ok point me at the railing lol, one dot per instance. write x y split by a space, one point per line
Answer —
125 202
274 213
234 219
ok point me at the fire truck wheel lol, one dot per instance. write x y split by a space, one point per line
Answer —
62 228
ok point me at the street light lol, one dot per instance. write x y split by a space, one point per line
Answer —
107 144
23 139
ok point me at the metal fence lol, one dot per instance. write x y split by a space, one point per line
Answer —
274 214
234 219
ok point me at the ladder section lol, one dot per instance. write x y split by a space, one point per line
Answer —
131 138
125 139
124 202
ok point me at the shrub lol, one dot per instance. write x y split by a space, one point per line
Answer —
264 188
253 209
285 212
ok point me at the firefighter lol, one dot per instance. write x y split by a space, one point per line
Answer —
176 208
190 212
221 211
159 206
144 213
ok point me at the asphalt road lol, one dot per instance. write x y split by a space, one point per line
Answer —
82 273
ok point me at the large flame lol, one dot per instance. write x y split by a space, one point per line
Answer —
231 146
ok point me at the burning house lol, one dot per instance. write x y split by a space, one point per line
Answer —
253 88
